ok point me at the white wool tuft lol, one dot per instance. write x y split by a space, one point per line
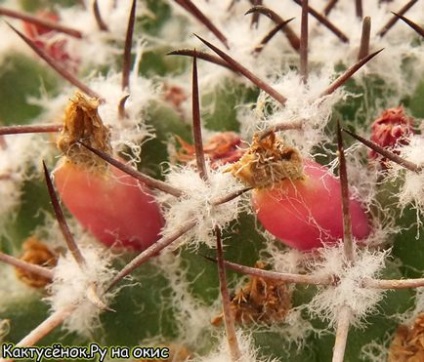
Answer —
71 283
327 303
197 203
16 160
247 349
412 189
131 130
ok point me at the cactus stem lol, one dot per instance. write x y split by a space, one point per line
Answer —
303 69
327 23
411 166
27 267
98 16
383 31
39 128
195 11
359 9
226 301
287 30
413 25
147 180
41 22
348 74
247 73
258 48
56 65
343 323
330 6
347 222
364 47
150 252
197 128
126 67
69 239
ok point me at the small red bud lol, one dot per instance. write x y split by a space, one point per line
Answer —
391 130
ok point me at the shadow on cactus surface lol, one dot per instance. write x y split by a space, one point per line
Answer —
237 131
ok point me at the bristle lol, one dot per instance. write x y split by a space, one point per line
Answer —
349 73
126 64
147 180
60 217
197 127
98 16
386 153
413 25
288 32
344 185
27 267
39 128
226 301
255 18
150 252
342 331
41 22
303 50
327 23
358 9
64 73
364 47
270 35
330 6
247 73
195 11
204 56
383 31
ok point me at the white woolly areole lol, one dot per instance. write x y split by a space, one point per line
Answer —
247 349
327 303
70 286
16 159
197 203
412 190
98 47
131 130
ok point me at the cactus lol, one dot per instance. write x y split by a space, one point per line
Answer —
204 109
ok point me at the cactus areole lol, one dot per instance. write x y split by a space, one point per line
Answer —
117 209
298 201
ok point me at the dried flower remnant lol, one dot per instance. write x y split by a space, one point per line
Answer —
268 161
38 253
408 343
220 149
50 41
261 300
295 199
117 209
391 130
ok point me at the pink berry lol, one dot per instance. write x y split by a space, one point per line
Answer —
306 214
113 206
296 200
